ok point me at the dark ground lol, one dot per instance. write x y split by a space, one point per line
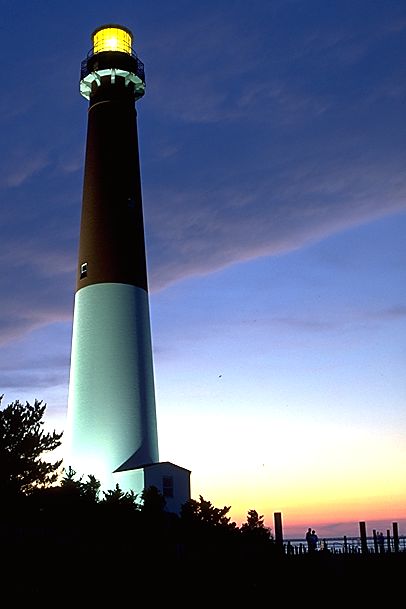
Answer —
41 571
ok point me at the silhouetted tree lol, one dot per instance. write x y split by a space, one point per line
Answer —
118 497
88 490
209 544
69 483
257 547
91 488
255 526
159 528
206 530
22 444
152 502
70 509
204 513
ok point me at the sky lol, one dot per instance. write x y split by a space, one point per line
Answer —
273 156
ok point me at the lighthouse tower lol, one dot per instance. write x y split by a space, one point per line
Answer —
111 423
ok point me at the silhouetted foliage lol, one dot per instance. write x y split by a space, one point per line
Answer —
69 526
257 544
159 528
206 532
22 444
117 496
71 505
89 489
203 513
152 502
118 510
255 527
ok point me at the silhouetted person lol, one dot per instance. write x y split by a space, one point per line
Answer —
309 540
313 541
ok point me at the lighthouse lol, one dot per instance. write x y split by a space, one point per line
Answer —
111 428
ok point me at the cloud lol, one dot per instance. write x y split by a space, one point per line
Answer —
222 69
37 287
21 169
48 261
36 361
348 319
392 313
18 321
27 379
267 146
197 232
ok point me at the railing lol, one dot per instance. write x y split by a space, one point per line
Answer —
139 70
378 543
345 545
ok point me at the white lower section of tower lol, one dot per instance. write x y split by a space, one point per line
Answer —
111 422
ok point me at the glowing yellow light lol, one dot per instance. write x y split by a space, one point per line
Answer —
112 43
112 39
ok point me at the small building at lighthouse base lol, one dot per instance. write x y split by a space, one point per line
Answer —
171 480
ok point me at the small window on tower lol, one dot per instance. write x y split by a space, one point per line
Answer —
167 486
83 270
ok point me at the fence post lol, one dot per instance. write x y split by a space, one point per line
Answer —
395 536
375 541
278 529
363 535
388 539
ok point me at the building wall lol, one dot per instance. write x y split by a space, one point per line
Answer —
156 474
111 410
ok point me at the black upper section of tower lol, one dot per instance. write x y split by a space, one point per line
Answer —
112 244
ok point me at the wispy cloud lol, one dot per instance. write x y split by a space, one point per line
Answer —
34 363
393 313
26 379
257 155
264 217
23 168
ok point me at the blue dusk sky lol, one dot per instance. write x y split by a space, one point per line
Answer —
273 158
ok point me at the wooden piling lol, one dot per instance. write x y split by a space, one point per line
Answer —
363 535
278 528
395 536
375 541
